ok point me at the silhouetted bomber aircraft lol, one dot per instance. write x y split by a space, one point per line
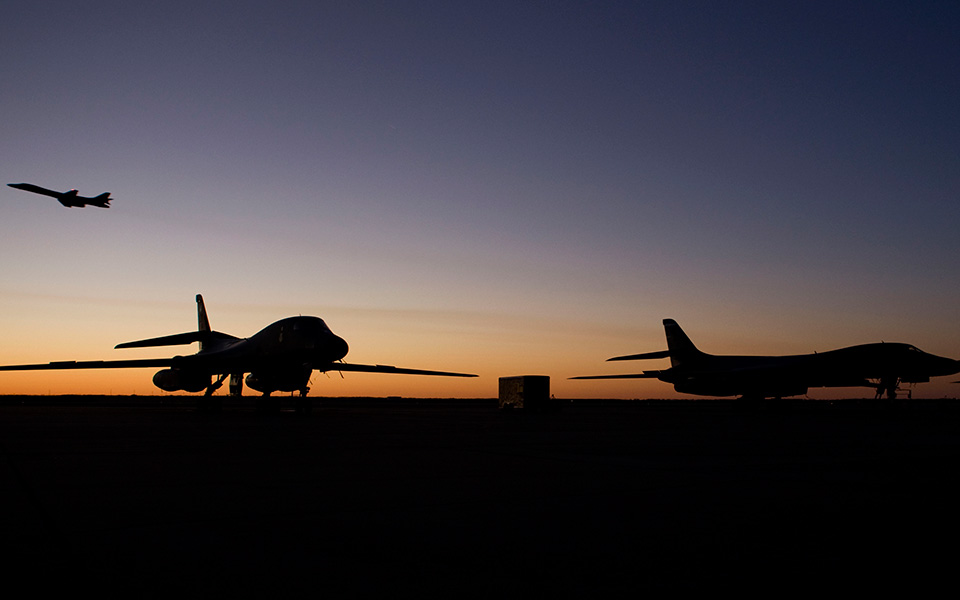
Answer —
882 366
280 357
69 199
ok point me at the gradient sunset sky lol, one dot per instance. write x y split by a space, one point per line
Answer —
500 188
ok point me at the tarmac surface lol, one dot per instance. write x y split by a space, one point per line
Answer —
147 496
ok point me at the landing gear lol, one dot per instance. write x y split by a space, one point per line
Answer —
236 384
210 403
216 385
269 405
888 385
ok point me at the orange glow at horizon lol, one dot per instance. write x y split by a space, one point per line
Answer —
489 344
62 329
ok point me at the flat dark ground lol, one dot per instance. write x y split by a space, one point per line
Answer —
149 497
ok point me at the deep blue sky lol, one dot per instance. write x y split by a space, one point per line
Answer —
492 187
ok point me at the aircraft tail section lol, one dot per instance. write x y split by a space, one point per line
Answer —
179 339
203 323
103 200
176 339
203 334
680 348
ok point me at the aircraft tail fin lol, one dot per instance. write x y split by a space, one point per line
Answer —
203 323
681 349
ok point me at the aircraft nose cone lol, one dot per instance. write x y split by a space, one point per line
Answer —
950 366
340 347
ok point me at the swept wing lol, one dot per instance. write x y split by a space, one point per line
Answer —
36 189
387 369
93 364
644 375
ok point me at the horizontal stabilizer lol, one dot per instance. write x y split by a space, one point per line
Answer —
644 356
178 339
644 375
388 369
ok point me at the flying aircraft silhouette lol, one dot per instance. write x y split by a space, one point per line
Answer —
280 357
69 199
883 366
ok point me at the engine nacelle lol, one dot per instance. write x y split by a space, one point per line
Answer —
177 380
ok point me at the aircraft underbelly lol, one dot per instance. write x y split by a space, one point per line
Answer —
286 379
767 387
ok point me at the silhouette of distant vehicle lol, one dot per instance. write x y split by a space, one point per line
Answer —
69 199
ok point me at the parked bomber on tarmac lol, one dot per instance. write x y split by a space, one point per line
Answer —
280 357
882 366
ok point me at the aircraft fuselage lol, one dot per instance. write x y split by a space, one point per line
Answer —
778 376
70 198
279 357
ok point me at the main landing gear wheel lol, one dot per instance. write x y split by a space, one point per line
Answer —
236 384
890 386
303 405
